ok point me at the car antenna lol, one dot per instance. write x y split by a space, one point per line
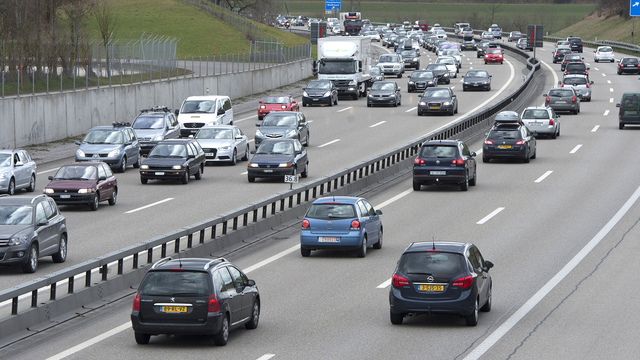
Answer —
433 241
179 261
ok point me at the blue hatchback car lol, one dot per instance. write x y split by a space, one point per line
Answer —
343 223
115 145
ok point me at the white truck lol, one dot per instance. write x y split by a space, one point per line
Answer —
346 61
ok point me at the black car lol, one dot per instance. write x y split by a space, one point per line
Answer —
399 42
444 162
441 277
570 58
558 55
476 79
420 80
277 158
193 296
320 92
30 228
576 43
411 58
509 138
384 93
579 68
390 40
154 125
441 72
438 100
468 45
481 48
176 159
628 65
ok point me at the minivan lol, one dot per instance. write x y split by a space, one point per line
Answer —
629 110
198 111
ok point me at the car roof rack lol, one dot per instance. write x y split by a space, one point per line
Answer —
157 108
216 260
120 124
161 262
38 196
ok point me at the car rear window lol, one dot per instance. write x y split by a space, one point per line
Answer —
535 114
630 61
176 283
630 102
605 49
438 151
504 134
424 263
575 81
560 93
331 211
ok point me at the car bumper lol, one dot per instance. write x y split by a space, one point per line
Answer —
211 326
629 70
493 60
217 155
475 86
73 198
112 162
463 305
164 174
271 172
316 100
450 177
564 107
516 151
426 109
348 241
411 64
14 255
604 57
381 100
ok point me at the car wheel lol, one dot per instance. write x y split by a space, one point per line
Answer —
304 104
61 255
306 143
362 251
419 113
11 189
472 320
114 197
234 157
137 163
123 165
465 185
612 60
368 104
143 180
416 186
245 157
408 89
596 60
95 202
473 182
221 337
251 179
336 101
399 75
396 319
141 338
527 158
620 126
330 102
395 104
305 173
305 252
262 117
535 153
32 260
198 175
487 306
32 183
185 177
378 245
255 316
485 159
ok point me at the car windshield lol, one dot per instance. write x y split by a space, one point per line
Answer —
575 81
476 74
438 151
387 59
383 86
104 137
5 160
15 215
275 148
439 32
319 85
214 134
560 93
443 265
176 283
535 114
445 61
375 71
422 74
76 172
439 93
168 150
280 120
199 106
331 211
504 134
494 51
276 100
451 52
336 67
149 122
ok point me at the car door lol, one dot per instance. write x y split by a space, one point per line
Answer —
240 141
530 139
46 229
398 94
301 155
372 220
106 183
303 128
470 160
199 153
28 166
172 126
18 171
234 300
244 292
192 166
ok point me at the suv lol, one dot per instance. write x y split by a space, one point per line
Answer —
391 64
198 111
411 58
154 125
629 110
628 64
576 68
116 145
441 278
17 171
541 120
172 160
576 43
194 296
31 227
509 138
444 162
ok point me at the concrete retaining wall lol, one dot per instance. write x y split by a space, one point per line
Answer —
35 119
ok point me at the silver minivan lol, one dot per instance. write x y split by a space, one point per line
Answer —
541 121
198 111
17 171
580 84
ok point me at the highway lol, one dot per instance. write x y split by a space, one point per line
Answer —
560 231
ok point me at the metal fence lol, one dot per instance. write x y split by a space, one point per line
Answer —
616 45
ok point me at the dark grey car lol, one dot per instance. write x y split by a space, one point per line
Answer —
476 80
420 80
438 100
154 125
384 93
563 99
283 125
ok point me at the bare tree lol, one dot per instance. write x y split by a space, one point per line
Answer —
241 5
75 16
495 7
107 18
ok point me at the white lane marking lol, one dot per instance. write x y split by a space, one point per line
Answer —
329 143
551 284
266 356
603 74
610 100
148 206
555 76
479 152
471 68
272 258
247 118
91 342
385 284
413 108
252 140
395 198
608 81
453 87
244 173
575 149
345 109
543 176
376 124
488 217
606 112
46 171
309 121
610 89
595 128
597 70
461 80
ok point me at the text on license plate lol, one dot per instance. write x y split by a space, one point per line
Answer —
328 239
65 196
431 287
535 123
561 102
438 172
268 170
173 309
434 107
504 146
208 154
159 172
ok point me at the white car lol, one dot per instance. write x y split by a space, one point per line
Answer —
455 53
450 62
441 34
604 53
487 35
563 44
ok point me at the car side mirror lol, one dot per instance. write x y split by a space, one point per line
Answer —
77 142
257 124
558 115
473 153
588 68
19 163
252 152
544 95
102 177
559 82
42 222
488 265
368 89
239 137
50 177
454 95
251 282
617 105
260 102
128 143
298 152
177 112
591 83
221 111
378 212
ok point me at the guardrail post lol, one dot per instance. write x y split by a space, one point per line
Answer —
70 284
329 186
190 241
245 219
213 232
14 306
120 266
273 208
282 204
306 195
150 256
163 251
290 201
52 292
34 298
235 223
224 228
176 248
105 270
255 215
202 236
264 212
87 278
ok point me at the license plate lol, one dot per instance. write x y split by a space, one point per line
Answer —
194 131
434 107
504 146
268 171
65 196
159 173
173 309
316 99
208 154
535 123
431 287
475 84
631 112
328 239
438 172
561 102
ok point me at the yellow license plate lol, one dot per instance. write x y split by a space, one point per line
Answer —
434 107
504 146
431 287
173 309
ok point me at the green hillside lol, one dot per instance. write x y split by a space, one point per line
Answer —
614 28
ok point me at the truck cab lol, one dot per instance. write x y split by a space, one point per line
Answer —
346 62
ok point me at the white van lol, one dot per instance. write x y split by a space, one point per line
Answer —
198 111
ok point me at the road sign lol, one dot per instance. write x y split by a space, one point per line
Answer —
331 4
634 8
293 179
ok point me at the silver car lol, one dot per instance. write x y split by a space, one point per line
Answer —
563 99
391 64
541 121
580 83
283 125
223 143
451 64
17 171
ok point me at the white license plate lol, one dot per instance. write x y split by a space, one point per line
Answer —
208 154
537 123
268 171
159 172
328 239
65 196
561 102
438 172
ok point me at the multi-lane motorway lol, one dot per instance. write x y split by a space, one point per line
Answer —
560 231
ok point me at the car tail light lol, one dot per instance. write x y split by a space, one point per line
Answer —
547 99
580 44
136 303
488 142
573 99
463 282
355 225
521 142
418 161
214 305
550 122
587 85
565 72
562 85
598 53
399 281
457 162
305 224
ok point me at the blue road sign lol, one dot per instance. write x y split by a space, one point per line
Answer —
634 8
331 4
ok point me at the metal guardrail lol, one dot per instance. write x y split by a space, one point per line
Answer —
114 275
616 45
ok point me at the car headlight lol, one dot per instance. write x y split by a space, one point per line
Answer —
283 106
144 167
352 82
252 165
284 165
422 103
48 191
263 106
17 240
259 133
176 167
446 103
327 94
114 153
290 133
446 75
80 153
224 148
3 175
370 95
85 191
396 66
304 93
158 138
430 82
392 95
415 59
466 83
411 82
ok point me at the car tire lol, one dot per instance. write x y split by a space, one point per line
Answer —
114 197
395 104
378 245
554 135
251 179
527 159
255 316
368 104
303 105
535 153
595 60
143 180
419 113
473 182
305 252
472 320
222 336
465 185
198 175
620 126
362 251
123 165
234 157
400 102
32 183
487 306
336 102
330 102
11 189
396 319
245 157
306 143
416 186
137 163
408 89
61 255
95 203
141 338
262 117
305 172
485 159
399 75
31 265
185 177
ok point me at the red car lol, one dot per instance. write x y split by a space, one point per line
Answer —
83 183
493 55
277 103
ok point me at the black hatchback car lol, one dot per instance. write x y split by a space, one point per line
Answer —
176 159
420 80
384 93
194 297
628 65
320 92
509 138
444 162
441 278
